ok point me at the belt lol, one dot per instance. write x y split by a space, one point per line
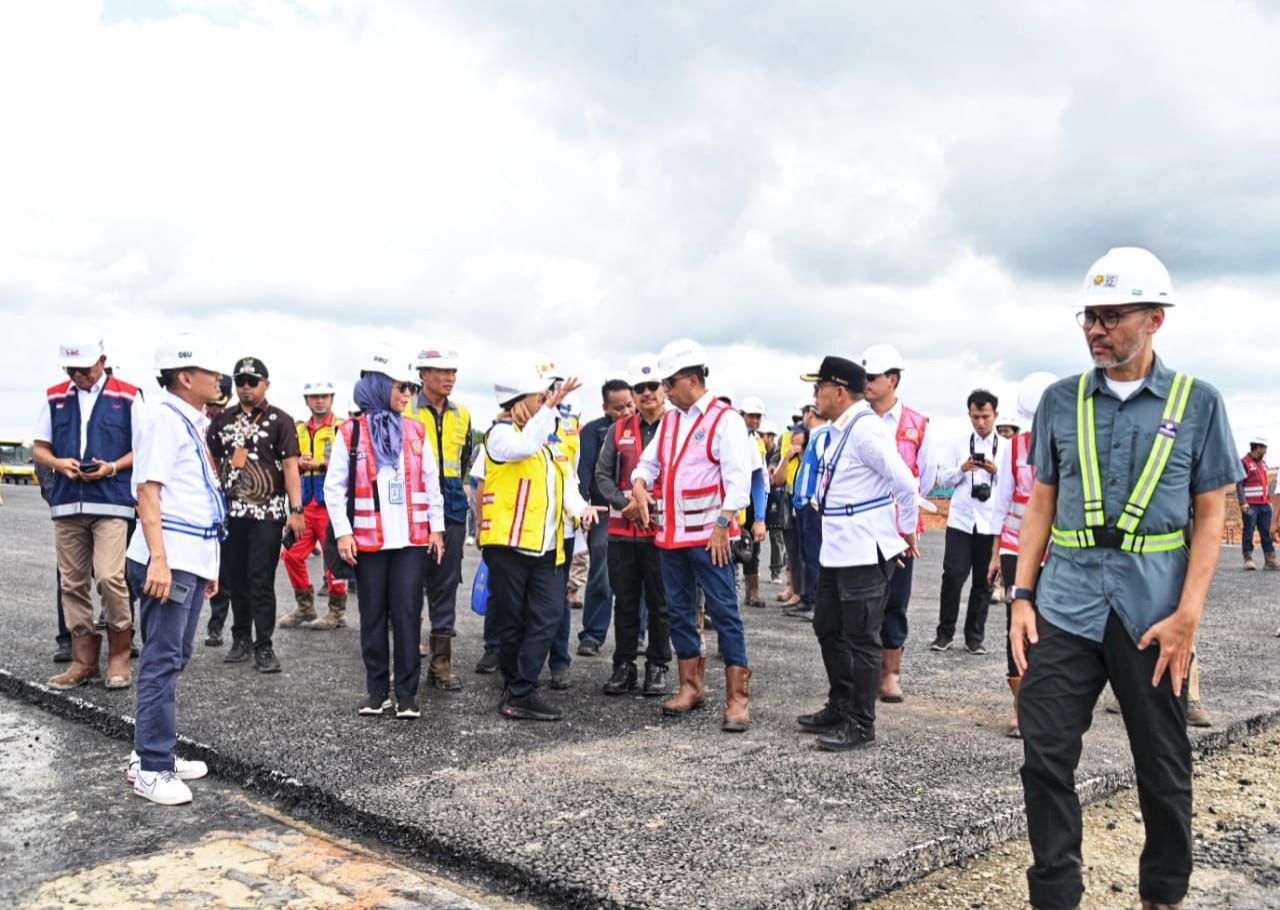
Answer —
212 532
1115 539
857 508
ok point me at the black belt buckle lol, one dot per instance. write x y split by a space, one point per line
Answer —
1108 538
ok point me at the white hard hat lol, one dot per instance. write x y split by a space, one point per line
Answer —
1030 391
391 361
752 405
517 383
1127 274
801 405
643 368
187 351
767 427
681 354
437 358
317 387
1257 440
880 358
82 349
724 391
548 370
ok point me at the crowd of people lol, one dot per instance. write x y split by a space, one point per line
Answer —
646 515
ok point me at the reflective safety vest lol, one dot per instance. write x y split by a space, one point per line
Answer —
570 442
793 464
689 481
630 442
909 439
1024 480
366 521
1124 534
513 507
316 442
1256 480
109 436
450 439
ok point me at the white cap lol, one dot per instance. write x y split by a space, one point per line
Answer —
317 387
1030 391
880 358
82 349
517 383
437 358
643 368
1256 440
1125 275
391 361
187 351
723 390
681 354
752 405
767 427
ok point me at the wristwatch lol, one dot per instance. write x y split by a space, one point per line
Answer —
1024 594
295 510
722 522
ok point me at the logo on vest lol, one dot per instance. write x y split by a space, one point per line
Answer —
912 433
1169 428
699 436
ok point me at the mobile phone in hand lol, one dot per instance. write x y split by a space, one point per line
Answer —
179 592
90 468
979 457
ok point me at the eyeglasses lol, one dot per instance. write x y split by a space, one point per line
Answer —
78 371
408 388
872 377
1109 318
642 387
248 379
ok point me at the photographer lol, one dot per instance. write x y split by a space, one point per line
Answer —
978 469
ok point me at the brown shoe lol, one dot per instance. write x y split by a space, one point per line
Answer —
440 671
85 650
118 646
891 676
752 598
693 690
1271 560
1012 730
336 618
305 612
1249 564
737 699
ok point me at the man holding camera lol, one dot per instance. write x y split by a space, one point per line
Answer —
978 469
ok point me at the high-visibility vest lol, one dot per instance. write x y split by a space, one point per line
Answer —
909 439
793 464
630 444
366 523
566 434
449 438
1256 481
109 436
1124 535
316 442
513 507
1024 480
689 481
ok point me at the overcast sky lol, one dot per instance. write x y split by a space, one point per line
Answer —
586 180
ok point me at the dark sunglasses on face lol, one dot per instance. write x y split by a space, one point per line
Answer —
246 379
642 387
78 371
408 388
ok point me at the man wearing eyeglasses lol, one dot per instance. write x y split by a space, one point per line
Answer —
85 436
256 447
1123 454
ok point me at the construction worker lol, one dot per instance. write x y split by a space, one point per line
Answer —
698 466
910 429
1254 496
315 442
1123 453
752 411
447 427
85 436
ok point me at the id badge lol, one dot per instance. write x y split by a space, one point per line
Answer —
395 493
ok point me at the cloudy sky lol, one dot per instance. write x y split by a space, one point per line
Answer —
585 180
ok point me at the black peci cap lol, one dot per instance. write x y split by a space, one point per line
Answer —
840 371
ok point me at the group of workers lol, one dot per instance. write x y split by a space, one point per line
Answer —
1082 509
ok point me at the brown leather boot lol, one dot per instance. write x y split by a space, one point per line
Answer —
440 671
85 650
752 598
1013 731
737 700
336 618
305 612
891 676
693 690
118 645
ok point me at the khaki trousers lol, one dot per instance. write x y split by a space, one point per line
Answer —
90 546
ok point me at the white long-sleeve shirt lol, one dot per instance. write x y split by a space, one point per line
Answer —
867 477
926 456
395 515
968 514
730 444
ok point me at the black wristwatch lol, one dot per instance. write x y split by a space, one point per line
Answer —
1024 594
296 510
722 522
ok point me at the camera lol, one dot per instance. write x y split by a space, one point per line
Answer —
980 491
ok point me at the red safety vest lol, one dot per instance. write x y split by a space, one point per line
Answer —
367 523
1256 479
689 481
909 438
627 437
1024 480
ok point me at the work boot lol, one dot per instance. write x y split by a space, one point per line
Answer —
1013 731
63 654
753 591
737 700
847 737
891 676
305 612
823 721
693 690
1270 560
1197 714
335 618
118 644
84 662
655 680
623 679
1248 563
440 671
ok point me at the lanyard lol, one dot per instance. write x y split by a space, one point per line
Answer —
830 468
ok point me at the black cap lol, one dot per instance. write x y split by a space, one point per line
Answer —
841 372
250 366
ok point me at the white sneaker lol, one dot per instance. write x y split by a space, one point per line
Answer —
182 769
161 787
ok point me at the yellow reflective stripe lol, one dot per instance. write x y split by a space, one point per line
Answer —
1090 471
1174 410
1075 540
1131 543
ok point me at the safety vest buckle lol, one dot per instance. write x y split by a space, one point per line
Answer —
1108 538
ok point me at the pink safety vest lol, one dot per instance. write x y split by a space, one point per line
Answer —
367 524
1024 479
689 481
1256 479
909 439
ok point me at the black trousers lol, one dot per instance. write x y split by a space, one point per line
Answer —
443 579
846 619
250 554
1008 568
1065 675
220 603
528 593
635 571
965 554
391 590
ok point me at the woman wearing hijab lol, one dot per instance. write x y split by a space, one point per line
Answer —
383 496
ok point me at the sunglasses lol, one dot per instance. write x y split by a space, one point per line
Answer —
249 380
78 371
408 388
642 387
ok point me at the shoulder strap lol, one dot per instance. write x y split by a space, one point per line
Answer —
1175 409
354 445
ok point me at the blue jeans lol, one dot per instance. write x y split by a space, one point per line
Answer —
597 599
683 572
169 631
1259 517
809 532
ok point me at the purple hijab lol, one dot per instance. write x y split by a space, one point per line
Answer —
373 397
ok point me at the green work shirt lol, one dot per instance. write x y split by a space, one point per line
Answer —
1079 587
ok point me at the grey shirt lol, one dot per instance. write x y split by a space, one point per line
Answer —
1079 587
607 470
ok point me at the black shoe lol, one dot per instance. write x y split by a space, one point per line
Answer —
528 707
940 644
800 611
374 705
823 721
488 662
213 640
63 654
100 624
239 652
265 660
655 679
975 648
407 707
847 737
133 651
588 648
560 678
622 681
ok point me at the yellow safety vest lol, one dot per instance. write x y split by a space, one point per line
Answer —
316 445
513 506
567 430
450 441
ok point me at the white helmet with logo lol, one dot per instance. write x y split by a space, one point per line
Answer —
187 351
437 358
1030 391
83 349
880 358
643 368
517 383
317 387
1256 440
752 405
681 354
391 361
548 370
1125 275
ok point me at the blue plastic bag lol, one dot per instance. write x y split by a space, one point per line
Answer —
480 590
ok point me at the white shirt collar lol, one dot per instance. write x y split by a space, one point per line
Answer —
195 415
843 420
701 405
94 389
